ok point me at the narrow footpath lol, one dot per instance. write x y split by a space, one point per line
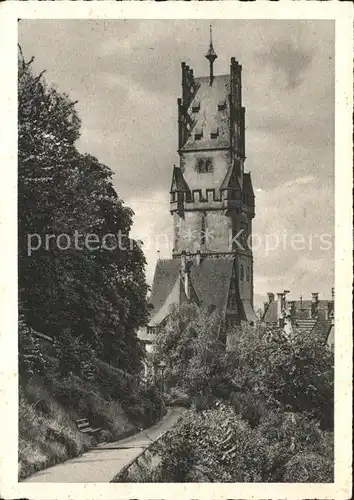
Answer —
103 462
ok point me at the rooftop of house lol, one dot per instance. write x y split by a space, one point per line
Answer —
312 317
209 281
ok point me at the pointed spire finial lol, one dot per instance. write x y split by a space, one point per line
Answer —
211 56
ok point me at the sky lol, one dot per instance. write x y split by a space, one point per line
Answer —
126 77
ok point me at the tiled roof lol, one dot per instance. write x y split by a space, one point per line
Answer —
271 314
210 282
166 273
174 297
247 184
249 313
178 181
231 180
330 337
306 304
210 117
322 329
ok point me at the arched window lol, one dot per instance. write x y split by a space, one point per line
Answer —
208 165
200 166
204 165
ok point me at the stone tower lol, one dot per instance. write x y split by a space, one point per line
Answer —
211 196
212 205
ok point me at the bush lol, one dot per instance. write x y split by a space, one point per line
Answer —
217 445
45 440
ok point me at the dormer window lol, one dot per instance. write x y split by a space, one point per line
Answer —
198 134
208 166
196 106
214 132
222 105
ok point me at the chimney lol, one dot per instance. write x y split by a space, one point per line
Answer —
198 258
314 305
270 297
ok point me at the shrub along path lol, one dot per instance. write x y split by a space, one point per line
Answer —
103 462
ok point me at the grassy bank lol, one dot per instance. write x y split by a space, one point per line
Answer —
48 408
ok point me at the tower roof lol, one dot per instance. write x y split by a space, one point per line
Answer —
213 113
178 181
210 281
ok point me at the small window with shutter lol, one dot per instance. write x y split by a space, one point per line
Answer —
222 105
214 133
196 106
198 134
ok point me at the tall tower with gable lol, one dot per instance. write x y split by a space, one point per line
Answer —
211 201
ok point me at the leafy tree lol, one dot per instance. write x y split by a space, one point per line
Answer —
260 405
97 292
190 345
294 373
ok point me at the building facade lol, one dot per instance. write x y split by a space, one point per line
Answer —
313 316
212 203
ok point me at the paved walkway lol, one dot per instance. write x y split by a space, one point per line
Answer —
102 463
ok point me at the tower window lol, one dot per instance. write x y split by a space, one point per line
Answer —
208 165
196 106
247 273
204 165
198 134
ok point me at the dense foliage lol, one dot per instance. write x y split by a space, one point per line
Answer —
81 281
262 409
96 292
